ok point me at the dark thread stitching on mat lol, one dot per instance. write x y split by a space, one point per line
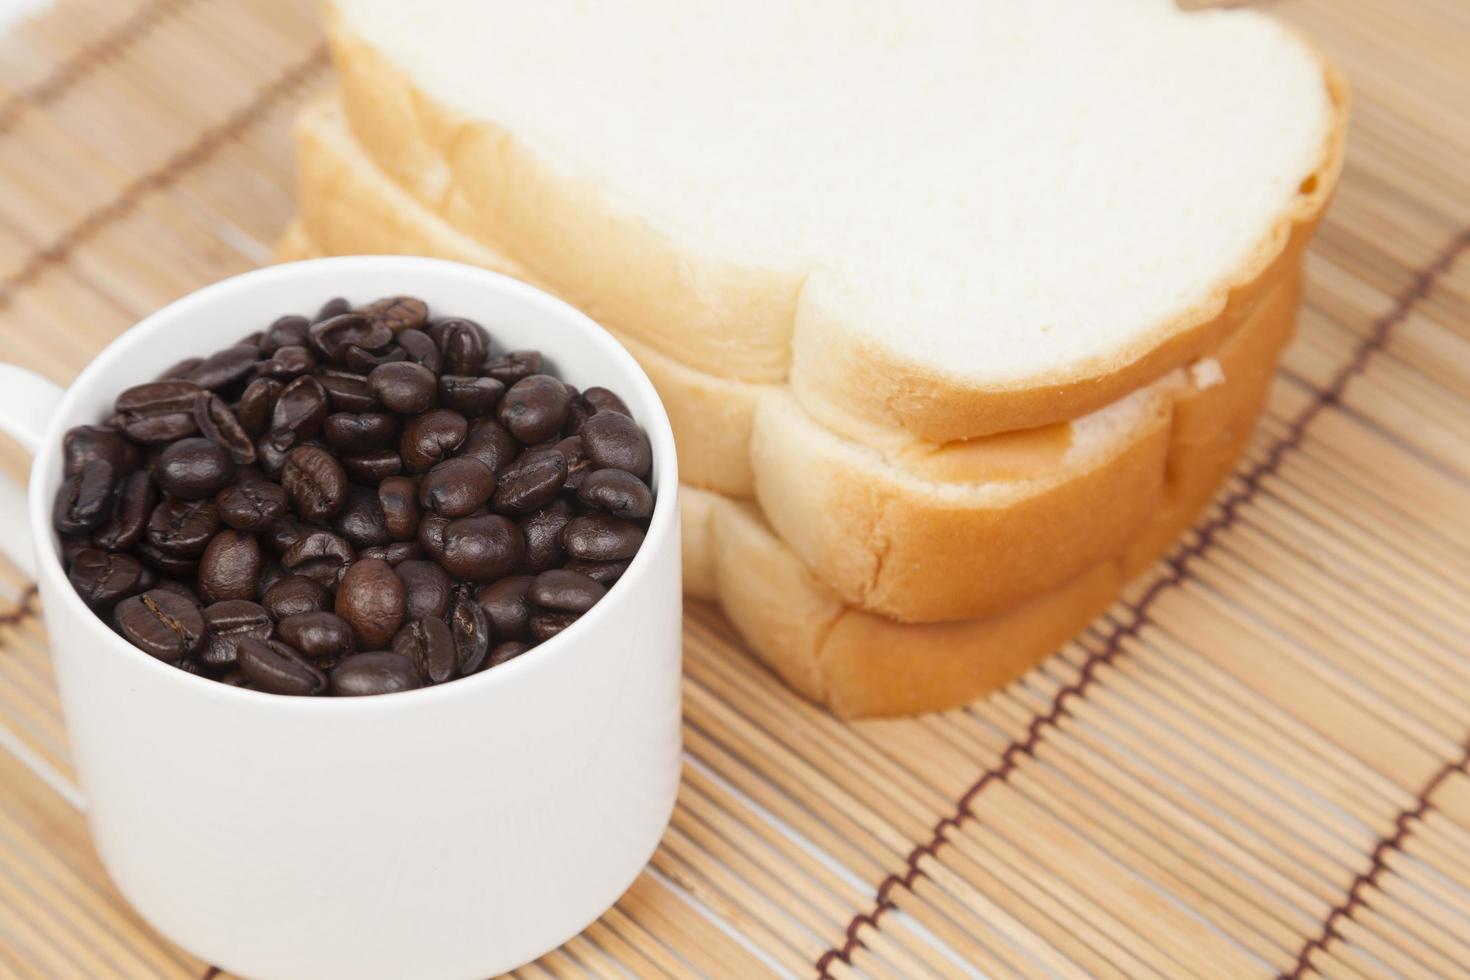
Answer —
25 608
161 177
1377 865
1178 564
210 973
94 55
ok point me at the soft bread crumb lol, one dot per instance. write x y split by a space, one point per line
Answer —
1206 374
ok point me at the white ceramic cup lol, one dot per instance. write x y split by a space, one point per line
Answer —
454 831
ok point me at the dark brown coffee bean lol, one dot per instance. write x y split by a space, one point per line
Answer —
616 492
166 564
398 497
405 387
253 411
578 465
132 504
226 367
482 549
397 313
180 370
542 529
370 469
491 443
579 411
421 349
335 306
395 553
85 443
330 337
530 482
194 468
299 413
158 412
602 572
287 331
470 628
319 546
508 650
428 644
605 401
84 499
284 532
182 591
253 506
599 537
182 528
507 604
427 589
218 424
230 567
348 392
293 595
228 623
315 482
71 546
562 591
362 362
361 520
545 625
287 363
431 535
275 668
513 366
349 433
615 441
534 409
104 579
430 437
316 635
161 623
456 487
373 601
463 343
470 396
379 672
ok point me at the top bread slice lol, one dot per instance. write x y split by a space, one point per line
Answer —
953 219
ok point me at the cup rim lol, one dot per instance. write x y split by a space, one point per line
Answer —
548 654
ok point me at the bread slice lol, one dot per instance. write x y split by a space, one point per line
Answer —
953 219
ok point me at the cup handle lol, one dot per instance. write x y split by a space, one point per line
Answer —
27 404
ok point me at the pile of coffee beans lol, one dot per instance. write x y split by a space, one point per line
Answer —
367 501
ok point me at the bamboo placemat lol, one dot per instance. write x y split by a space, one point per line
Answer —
1255 765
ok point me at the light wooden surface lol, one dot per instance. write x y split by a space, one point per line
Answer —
1254 766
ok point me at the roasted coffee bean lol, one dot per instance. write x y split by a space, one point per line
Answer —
370 469
330 337
359 433
161 623
287 331
271 572
319 546
180 370
427 589
335 306
85 443
562 591
404 386
253 506
218 424
180 567
182 591
397 313
429 646
615 441
578 465
507 604
253 411
132 504
513 366
421 349
395 553
430 437
275 668
456 487
482 549
534 409
508 650
230 567
104 578
195 468
356 359
398 497
298 413
317 635
236 678
84 499
530 482
545 625
431 535
361 520
71 546
294 595
379 672
616 492
284 532
372 599
602 572
542 529
349 392
228 623
605 401
470 396
580 411
224 368
491 443
287 363
599 537
462 343
315 482
158 412
470 628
